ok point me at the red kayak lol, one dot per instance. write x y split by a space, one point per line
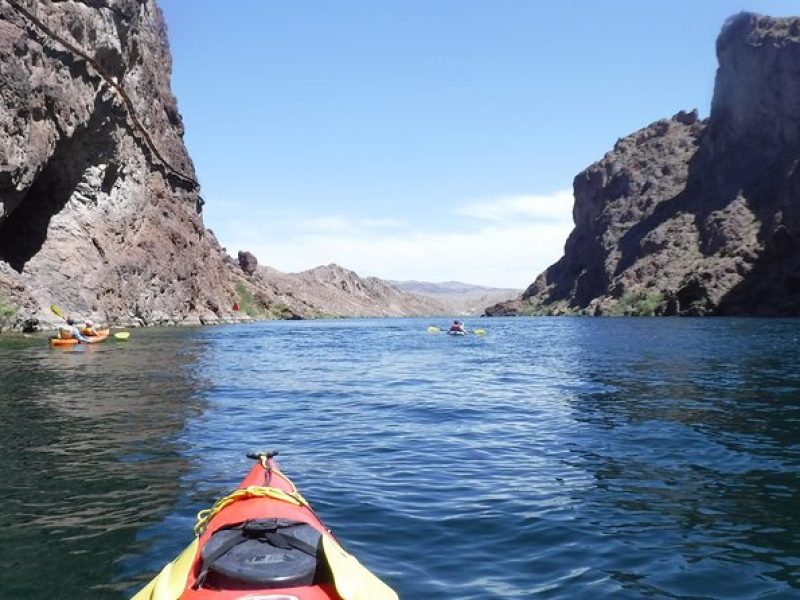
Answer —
263 542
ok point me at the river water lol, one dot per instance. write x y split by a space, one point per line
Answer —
551 458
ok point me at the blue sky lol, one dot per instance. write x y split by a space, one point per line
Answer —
430 140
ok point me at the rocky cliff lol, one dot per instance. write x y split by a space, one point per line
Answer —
695 217
332 291
100 209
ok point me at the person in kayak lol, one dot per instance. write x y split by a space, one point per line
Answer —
71 331
88 329
457 326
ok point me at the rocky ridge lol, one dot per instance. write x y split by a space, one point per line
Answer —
332 291
690 216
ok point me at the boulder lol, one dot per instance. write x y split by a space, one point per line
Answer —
247 262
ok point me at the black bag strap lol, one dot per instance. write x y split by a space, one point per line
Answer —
209 560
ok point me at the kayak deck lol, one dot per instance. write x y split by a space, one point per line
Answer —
263 540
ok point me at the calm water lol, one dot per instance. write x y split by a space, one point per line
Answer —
554 458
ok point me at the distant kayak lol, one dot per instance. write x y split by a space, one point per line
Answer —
434 329
59 342
263 541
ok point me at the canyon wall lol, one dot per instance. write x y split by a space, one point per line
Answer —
100 208
690 216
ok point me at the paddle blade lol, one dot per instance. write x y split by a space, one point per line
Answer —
122 335
56 310
433 329
479 332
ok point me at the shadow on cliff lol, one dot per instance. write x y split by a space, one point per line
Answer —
709 187
772 285
715 180
24 232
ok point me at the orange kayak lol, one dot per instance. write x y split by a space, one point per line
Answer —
59 342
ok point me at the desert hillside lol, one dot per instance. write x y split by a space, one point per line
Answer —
331 290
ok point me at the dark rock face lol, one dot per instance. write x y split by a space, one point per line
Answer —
695 217
248 262
99 207
30 326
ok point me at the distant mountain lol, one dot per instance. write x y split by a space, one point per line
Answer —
333 291
459 298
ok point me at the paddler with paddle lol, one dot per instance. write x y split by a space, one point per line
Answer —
72 331
457 327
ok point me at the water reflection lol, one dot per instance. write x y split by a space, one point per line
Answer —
694 449
87 441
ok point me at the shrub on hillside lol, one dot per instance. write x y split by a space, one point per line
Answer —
7 312
639 304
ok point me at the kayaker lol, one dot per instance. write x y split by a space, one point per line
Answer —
88 328
71 331
457 326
